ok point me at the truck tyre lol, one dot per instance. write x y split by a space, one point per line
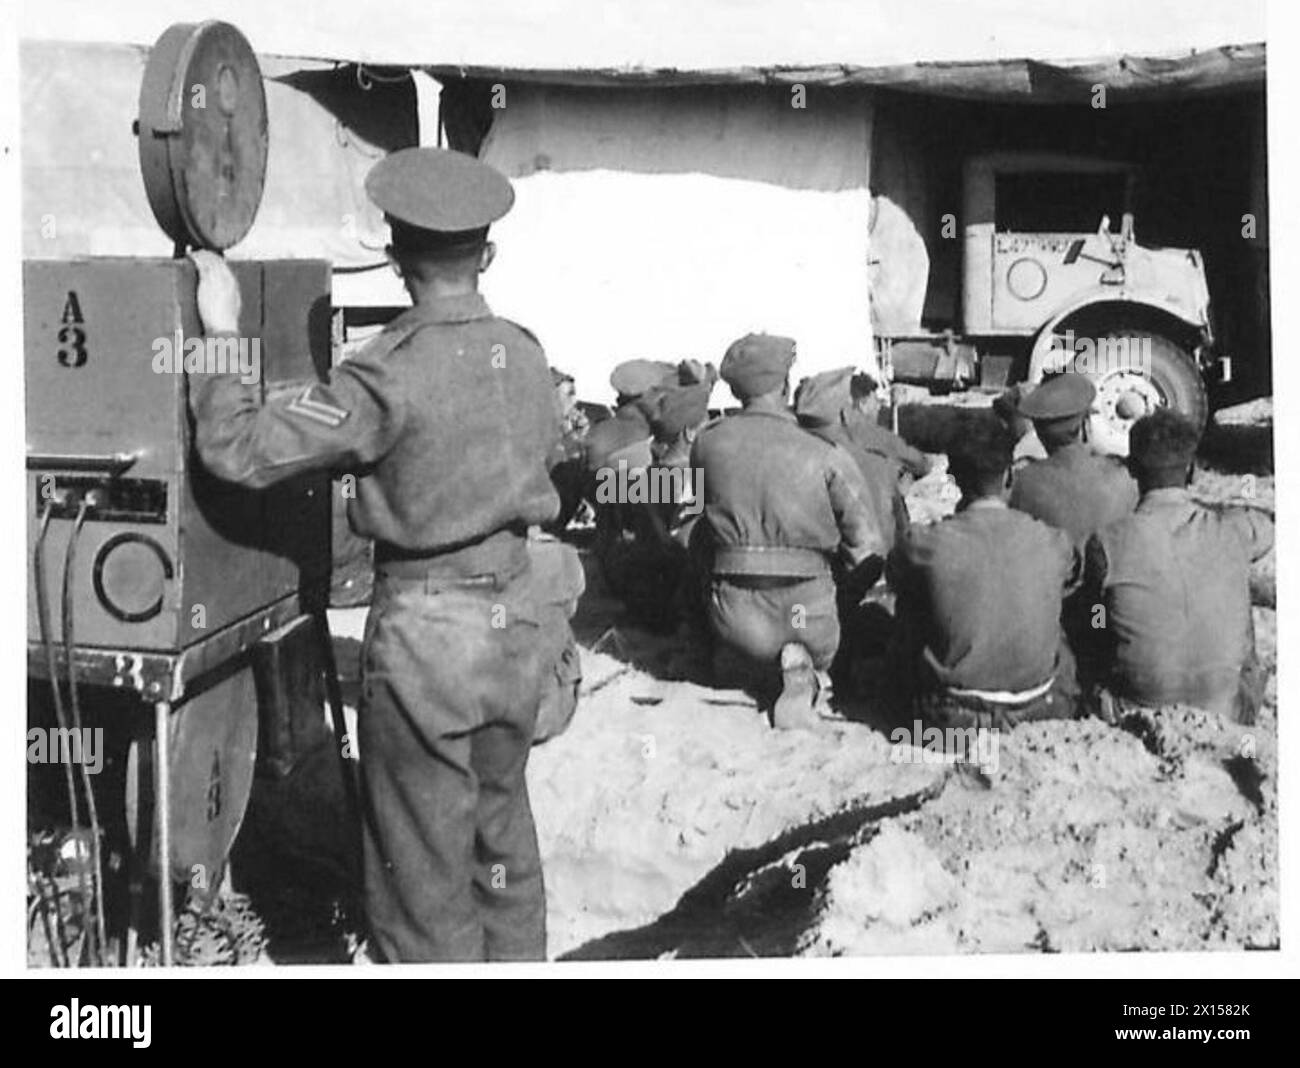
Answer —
1135 372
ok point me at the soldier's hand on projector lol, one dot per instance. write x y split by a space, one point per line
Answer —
218 296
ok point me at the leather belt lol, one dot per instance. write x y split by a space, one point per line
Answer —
486 561
777 561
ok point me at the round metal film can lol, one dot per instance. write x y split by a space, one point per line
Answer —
202 134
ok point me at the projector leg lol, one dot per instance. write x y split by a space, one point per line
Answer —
162 767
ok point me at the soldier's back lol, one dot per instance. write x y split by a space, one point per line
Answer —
765 482
986 586
477 428
1076 490
1176 587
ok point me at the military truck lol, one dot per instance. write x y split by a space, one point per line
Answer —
1041 293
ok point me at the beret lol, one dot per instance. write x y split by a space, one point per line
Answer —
440 190
757 364
1058 397
822 397
689 372
679 409
633 377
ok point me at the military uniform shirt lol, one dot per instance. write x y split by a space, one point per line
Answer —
433 471
768 483
875 438
1076 489
979 596
881 476
625 435
1174 578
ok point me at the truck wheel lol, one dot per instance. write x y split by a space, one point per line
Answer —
1135 373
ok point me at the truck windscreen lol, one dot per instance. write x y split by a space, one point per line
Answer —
1058 202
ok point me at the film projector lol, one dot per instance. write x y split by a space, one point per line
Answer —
156 588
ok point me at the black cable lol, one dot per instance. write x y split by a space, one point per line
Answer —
52 667
69 646
51 661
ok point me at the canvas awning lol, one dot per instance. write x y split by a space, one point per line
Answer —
866 39
1036 81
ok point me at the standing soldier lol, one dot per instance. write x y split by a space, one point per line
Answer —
779 507
1174 581
449 415
1076 489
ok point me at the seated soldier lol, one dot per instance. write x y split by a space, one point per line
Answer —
823 404
649 555
636 383
863 425
1076 489
1173 578
626 439
979 601
630 425
779 506
566 462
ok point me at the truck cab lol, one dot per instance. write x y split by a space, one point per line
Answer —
1054 280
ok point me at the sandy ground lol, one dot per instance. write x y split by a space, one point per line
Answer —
674 822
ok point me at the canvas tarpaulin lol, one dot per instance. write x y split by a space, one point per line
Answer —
83 194
665 224
747 38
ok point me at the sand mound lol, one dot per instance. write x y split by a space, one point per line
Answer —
1086 837
664 788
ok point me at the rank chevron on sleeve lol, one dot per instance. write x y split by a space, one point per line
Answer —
319 411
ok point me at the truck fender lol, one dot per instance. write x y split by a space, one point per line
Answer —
1098 295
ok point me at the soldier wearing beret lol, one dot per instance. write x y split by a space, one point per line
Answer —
626 439
1173 579
1076 488
649 558
979 601
447 417
780 508
823 404
636 384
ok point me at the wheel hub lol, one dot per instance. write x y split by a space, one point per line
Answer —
1123 397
